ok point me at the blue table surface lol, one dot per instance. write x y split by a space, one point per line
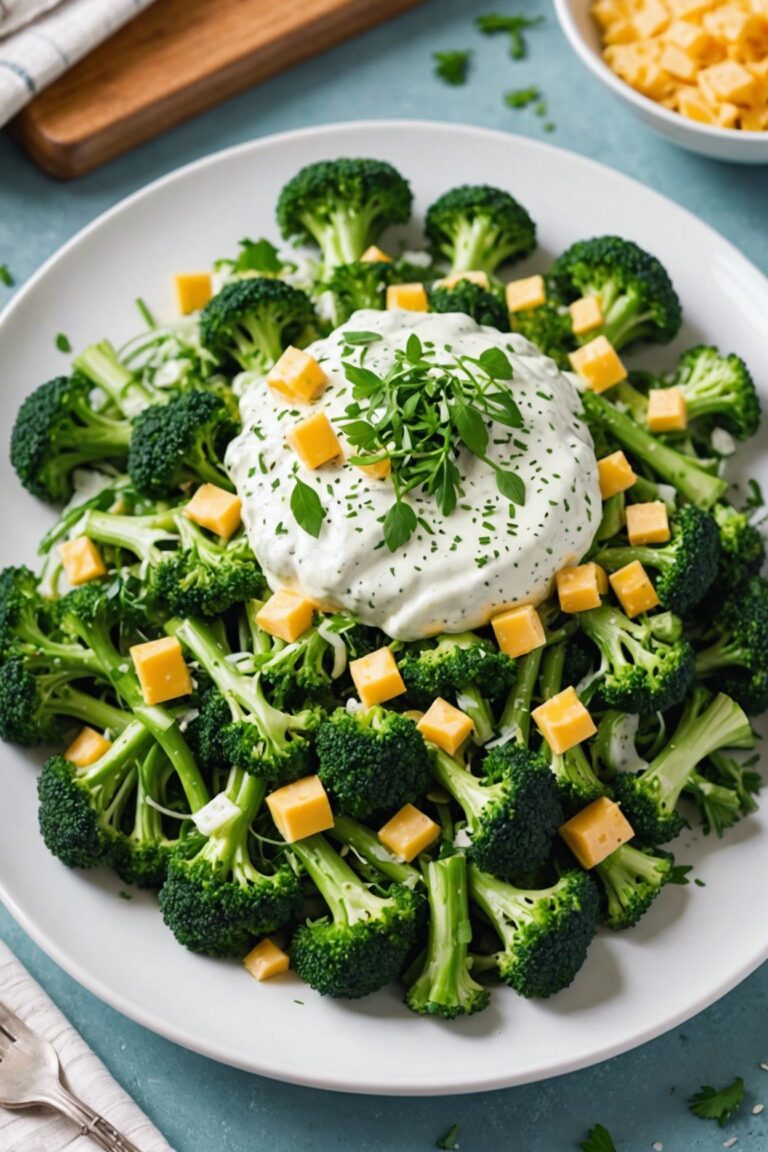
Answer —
640 1097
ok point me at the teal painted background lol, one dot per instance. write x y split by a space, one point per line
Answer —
640 1097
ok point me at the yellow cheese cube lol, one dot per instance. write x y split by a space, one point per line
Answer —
445 726
598 363
215 509
692 103
690 9
634 589
602 578
694 40
622 32
408 833
651 19
266 960
596 832
193 291
615 474
586 314
300 809
563 721
297 375
286 614
525 294
729 81
754 119
82 561
518 630
678 63
728 115
376 677
409 297
648 523
87 747
479 278
375 255
378 471
577 588
162 672
667 410
314 441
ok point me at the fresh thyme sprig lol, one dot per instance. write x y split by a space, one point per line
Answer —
419 415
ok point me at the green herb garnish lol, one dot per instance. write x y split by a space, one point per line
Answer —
452 67
598 1140
718 1103
62 343
450 1140
361 337
255 256
514 26
307 510
521 97
6 276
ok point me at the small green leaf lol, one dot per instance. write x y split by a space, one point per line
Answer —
62 343
495 364
452 67
6 276
450 1140
363 380
413 349
510 486
598 1140
361 337
399 525
718 1103
510 415
307 510
521 97
258 256
360 433
471 427
445 485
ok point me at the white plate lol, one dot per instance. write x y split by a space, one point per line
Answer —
696 944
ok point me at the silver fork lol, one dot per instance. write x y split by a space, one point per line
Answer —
30 1076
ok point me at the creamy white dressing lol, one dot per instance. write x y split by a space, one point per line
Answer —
471 564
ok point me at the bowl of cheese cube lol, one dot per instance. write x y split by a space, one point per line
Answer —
696 71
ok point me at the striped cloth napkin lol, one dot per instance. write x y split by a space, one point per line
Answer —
40 1130
41 39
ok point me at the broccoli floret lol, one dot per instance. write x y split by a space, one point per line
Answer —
512 813
28 628
632 879
445 986
364 944
636 294
181 442
253 321
647 663
204 733
81 809
649 798
718 386
302 670
343 206
371 760
35 708
742 547
685 567
359 285
549 328
477 228
545 932
736 660
259 737
692 482
215 899
719 805
144 851
483 306
741 778
577 782
58 430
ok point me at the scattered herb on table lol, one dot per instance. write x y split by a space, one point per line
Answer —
514 26
6 276
598 1140
450 1140
718 1103
63 343
521 97
452 67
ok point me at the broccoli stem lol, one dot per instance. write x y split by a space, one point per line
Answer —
661 559
153 772
696 485
101 365
78 705
138 534
724 653
469 792
496 897
239 691
367 844
473 238
109 771
345 894
471 701
228 848
552 667
516 717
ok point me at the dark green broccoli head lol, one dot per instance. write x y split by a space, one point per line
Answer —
483 306
653 815
359 285
25 718
205 578
451 663
719 388
577 782
636 294
70 822
736 661
204 734
477 228
550 329
742 548
371 760
300 671
58 430
142 865
632 879
251 322
24 620
181 442
343 206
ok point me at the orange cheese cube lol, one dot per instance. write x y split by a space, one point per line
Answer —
408 833
691 103
409 297
614 474
694 40
519 630
297 375
690 9
634 589
376 677
300 809
577 588
648 523
215 509
525 294
314 441
286 614
87 747
82 561
602 579
479 278
193 291
162 672
678 63
729 80
596 832
374 255
266 960
651 19
667 411
598 363
378 471
586 314
445 726
563 721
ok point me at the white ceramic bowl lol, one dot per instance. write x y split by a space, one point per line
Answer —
720 143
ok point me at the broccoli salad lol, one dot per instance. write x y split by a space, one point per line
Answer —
394 622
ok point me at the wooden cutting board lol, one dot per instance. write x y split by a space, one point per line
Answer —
177 58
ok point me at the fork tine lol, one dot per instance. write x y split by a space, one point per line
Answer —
12 1025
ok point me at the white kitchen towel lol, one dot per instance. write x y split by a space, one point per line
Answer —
36 54
44 1131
